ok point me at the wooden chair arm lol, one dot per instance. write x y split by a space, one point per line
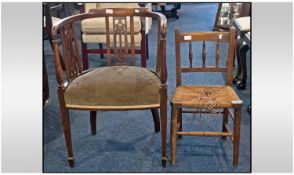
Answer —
58 67
162 51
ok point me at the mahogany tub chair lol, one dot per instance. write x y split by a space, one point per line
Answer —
209 99
93 31
120 85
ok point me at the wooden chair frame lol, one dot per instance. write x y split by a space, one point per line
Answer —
143 51
176 119
74 68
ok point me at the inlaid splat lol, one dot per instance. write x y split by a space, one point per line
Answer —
120 40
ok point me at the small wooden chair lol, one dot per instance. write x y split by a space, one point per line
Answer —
205 98
120 85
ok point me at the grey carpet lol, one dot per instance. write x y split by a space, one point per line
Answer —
126 141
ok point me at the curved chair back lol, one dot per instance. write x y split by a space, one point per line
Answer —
115 32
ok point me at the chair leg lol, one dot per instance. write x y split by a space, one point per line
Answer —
66 128
173 136
163 113
237 119
180 122
85 56
156 121
101 54
225 122
93 121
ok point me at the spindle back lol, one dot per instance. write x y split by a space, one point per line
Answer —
204 37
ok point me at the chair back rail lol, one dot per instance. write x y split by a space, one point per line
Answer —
204 37
120 39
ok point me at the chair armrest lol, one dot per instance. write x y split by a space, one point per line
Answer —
162 51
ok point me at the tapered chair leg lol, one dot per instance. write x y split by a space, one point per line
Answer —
225 122
237 119
173 135
156 121
93 121
180 122
163 114
66 128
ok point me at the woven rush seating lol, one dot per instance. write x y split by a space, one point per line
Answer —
203 96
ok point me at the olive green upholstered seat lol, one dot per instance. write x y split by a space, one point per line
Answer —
114 87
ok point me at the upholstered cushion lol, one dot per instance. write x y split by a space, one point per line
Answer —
97 25
243 23
101 38
205 96
114 87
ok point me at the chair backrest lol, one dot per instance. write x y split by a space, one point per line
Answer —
70 47
204 37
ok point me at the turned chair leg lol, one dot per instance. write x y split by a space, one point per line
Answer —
180 122
173 135
163 114
156 121
237 120
67 134
225 122
93 121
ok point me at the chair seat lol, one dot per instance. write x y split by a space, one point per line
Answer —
243 23
114 87
205 97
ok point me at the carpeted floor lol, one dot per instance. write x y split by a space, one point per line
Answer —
126 141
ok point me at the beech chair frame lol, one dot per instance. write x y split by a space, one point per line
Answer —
233 109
